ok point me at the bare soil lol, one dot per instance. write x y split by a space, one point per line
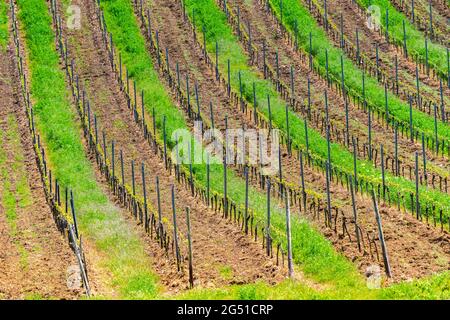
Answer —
221 254
35 258
352 19
167 18
264 28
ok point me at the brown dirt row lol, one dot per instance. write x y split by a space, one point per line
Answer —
222 255
35 258
368 39
263 28
167 19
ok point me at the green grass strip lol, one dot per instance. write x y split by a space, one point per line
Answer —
415 39
3 24
311 250
209 15
436 287
8 198
120 249
293 10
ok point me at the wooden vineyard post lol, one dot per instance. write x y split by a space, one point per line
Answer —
66 198
448 68
302 180
197 101
436 130
264 59
383 179
74 215
277 68
419 104
165 142
424 159
270 113
204 41
306 140
177 67
104 146
310 52
133 184
159 233
397 169
217 61
175 229
411 134
249 39
431 20
211 114
188 223
417 186
405 49
191 178
240 91
357 47
442 101
381 235
255 117
207 180
413 12
144 191
280 172
225 187
246 201
296 35
143 112
369 114
396 74
268 242
377 60
154 127
287 130
188 95
355 163
345 101
386 104
387 25
292 83
121 168
95 128
426 57
328 142
363 88
327 178
113 164
177 159
309 99
355 215
229 78
288 235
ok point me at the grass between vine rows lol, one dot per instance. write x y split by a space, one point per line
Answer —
120 252
293 10
311 251
209 15
415 40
